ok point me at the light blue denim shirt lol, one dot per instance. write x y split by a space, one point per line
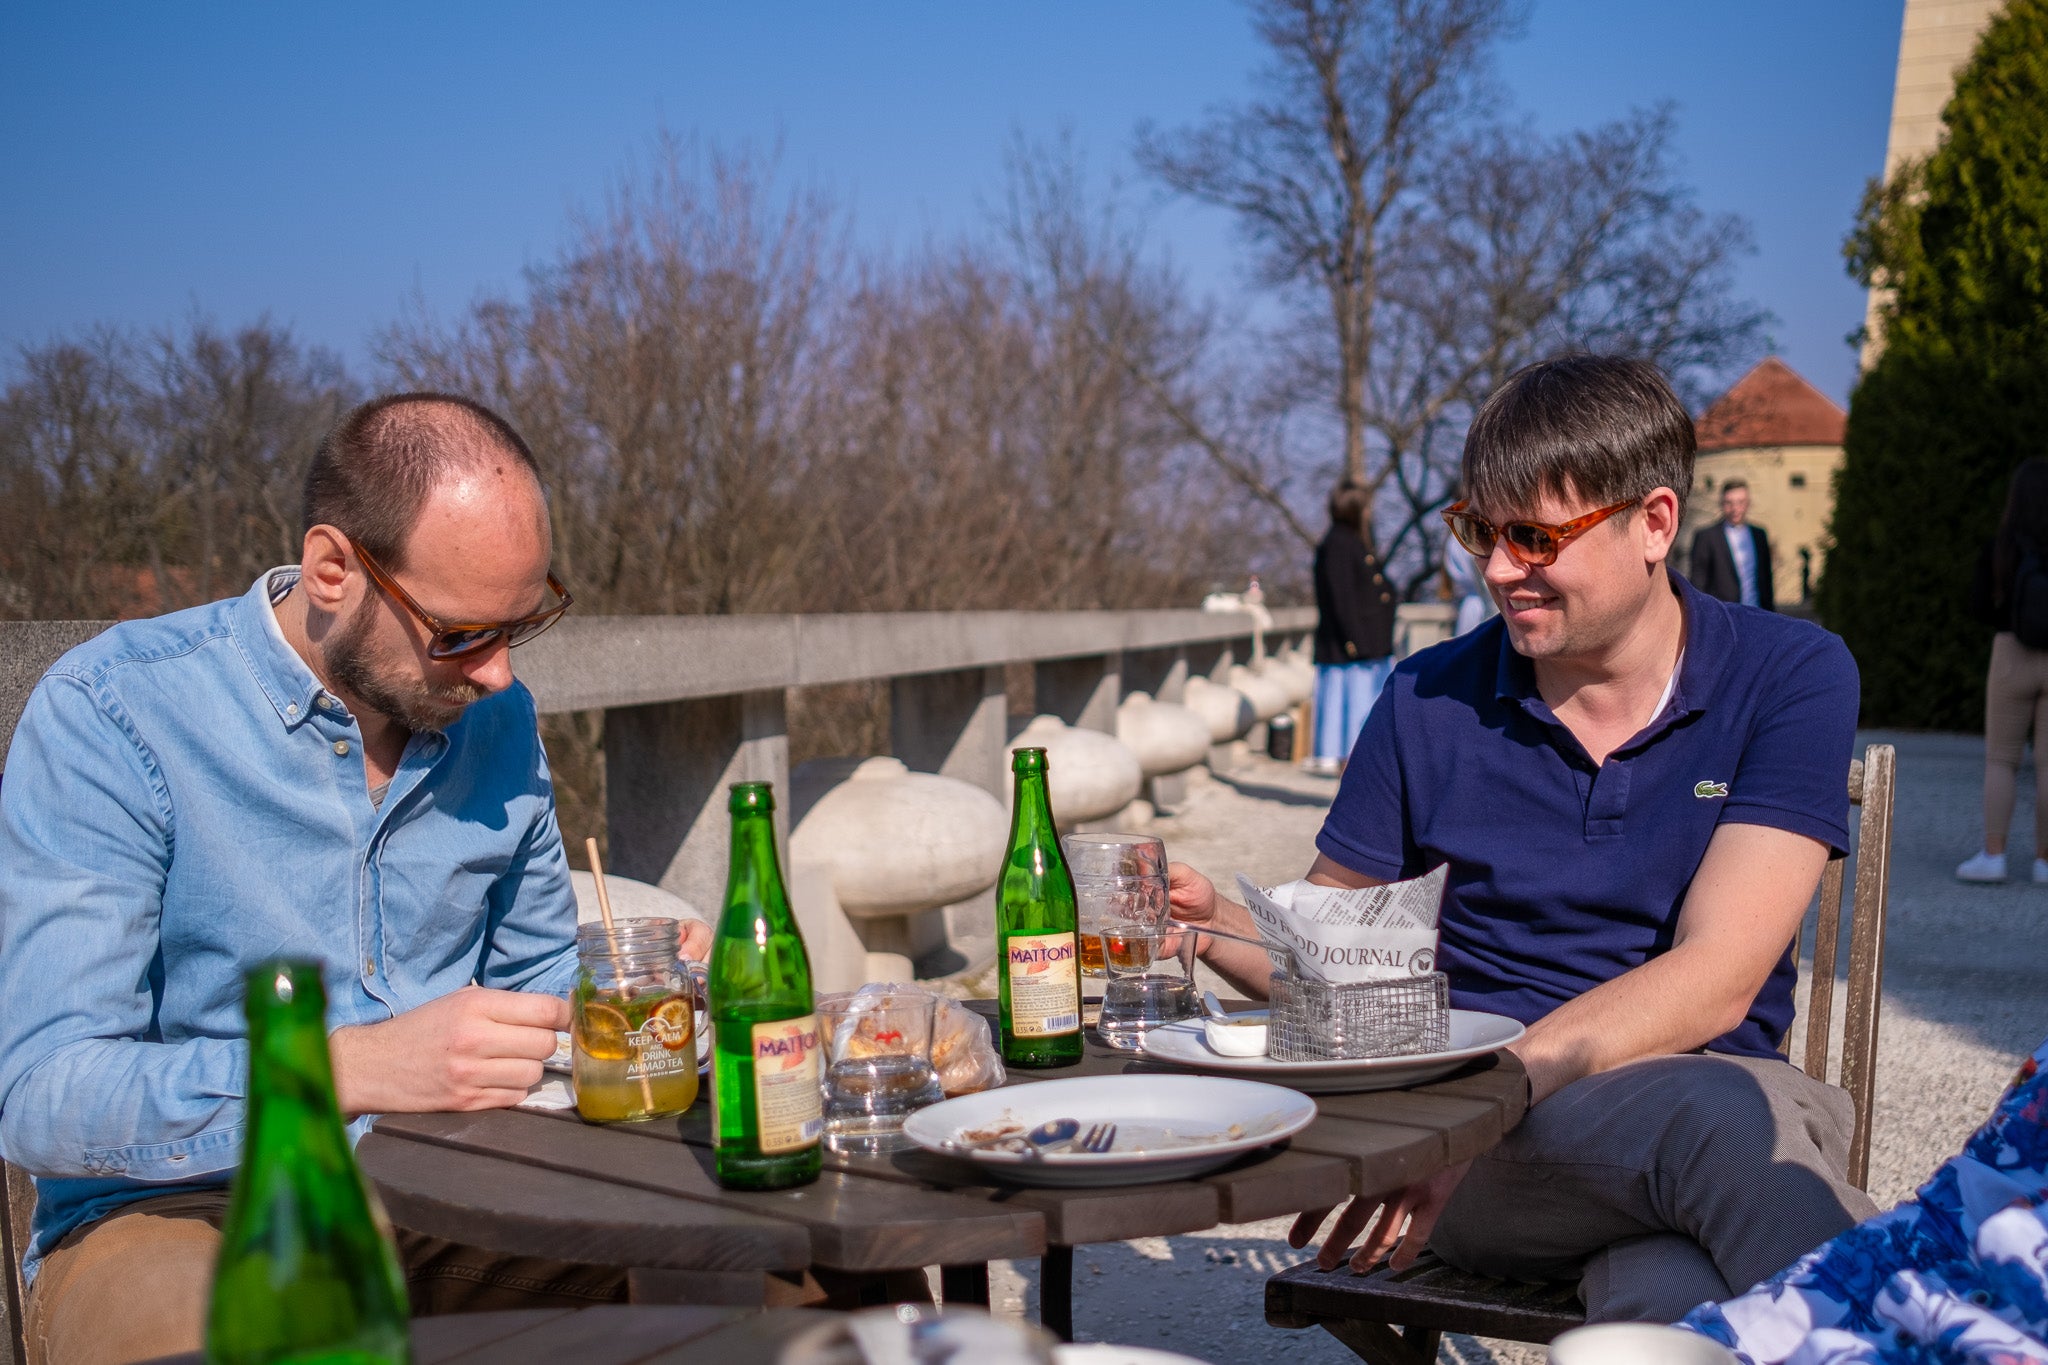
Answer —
183 800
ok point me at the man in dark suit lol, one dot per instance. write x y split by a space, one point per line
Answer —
1731 559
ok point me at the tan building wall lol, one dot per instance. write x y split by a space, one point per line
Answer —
1791 489
1935 38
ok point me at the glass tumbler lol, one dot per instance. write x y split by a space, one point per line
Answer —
1120 884
878 1067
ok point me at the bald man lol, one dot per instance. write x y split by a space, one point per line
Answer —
337 765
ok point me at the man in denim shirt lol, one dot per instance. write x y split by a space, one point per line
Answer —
338 765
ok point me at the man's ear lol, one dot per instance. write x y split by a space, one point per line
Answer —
1662 512
323 569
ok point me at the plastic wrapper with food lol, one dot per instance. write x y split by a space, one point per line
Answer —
963 1051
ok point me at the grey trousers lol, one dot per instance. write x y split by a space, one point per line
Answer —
1661 1185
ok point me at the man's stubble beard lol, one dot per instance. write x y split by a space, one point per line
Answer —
412 702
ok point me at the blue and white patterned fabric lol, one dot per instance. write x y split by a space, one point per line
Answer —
1959 1273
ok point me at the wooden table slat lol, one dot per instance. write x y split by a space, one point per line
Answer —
460 1196
757 1340
608 1334
854 1223
435 1341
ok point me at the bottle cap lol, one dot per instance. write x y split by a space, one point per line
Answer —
1027 761
750 797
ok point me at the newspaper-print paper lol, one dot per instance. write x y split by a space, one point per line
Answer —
1374 933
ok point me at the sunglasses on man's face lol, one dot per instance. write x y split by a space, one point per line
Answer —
456 640
1530 542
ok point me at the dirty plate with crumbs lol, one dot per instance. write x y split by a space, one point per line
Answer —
1167 1127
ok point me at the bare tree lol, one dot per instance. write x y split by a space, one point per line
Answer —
1426 250
1323 174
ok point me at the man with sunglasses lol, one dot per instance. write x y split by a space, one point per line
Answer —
1636 788
337 765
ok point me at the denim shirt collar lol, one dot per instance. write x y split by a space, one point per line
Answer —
291 686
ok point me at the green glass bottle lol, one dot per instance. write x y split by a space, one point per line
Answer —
307 1271
770 1114
1039 989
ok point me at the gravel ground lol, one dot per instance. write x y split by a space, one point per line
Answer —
1964 1000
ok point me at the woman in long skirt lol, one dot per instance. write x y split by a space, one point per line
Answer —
1354 629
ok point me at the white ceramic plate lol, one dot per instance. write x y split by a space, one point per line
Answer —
1168 1127
1474 1033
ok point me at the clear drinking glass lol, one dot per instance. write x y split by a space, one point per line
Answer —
878 1067
1106 860
1120 885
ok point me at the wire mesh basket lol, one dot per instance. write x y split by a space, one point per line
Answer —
1322 1021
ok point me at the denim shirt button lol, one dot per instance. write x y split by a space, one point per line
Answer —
291 708
341 747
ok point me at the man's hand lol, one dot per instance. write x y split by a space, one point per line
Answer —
473 1049
1191 895
1418 1207
696 944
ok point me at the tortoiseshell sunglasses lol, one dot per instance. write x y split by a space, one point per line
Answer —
1531 542
454 640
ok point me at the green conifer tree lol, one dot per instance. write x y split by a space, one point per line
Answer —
1958 395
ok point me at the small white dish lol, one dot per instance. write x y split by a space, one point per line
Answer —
1473 1033
1237 1035
1168 1127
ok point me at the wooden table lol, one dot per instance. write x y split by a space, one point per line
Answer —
642 1195
609 1335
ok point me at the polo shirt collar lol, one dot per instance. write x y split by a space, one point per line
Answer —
291 687
1707 654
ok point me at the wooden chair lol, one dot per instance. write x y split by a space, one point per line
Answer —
17 1208
1397 1318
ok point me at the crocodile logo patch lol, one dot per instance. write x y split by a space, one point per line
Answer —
1707 791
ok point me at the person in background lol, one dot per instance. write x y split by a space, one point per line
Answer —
2016 689
1731 559
1354 629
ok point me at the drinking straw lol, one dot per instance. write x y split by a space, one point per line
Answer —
611 942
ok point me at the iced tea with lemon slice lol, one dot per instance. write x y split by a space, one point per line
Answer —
632 1028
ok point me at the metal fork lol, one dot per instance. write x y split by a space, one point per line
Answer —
1098 1138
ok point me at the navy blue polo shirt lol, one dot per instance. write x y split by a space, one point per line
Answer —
1564 874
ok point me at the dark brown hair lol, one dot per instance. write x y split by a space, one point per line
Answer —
1598 428
2023 527
374 471
1730 485
1347 505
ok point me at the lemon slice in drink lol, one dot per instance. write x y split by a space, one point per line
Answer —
671 1023
603 1032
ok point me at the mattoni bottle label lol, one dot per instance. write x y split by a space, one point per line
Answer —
787 1094
1045 985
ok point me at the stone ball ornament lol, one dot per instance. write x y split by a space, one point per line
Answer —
1089 775
1225 708
630 899
1267 696
897 842
1167 738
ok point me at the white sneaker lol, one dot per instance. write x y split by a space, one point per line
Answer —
1990 867
2041 871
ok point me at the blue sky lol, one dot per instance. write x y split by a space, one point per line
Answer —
324 164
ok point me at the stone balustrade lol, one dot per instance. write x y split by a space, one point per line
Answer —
692 704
